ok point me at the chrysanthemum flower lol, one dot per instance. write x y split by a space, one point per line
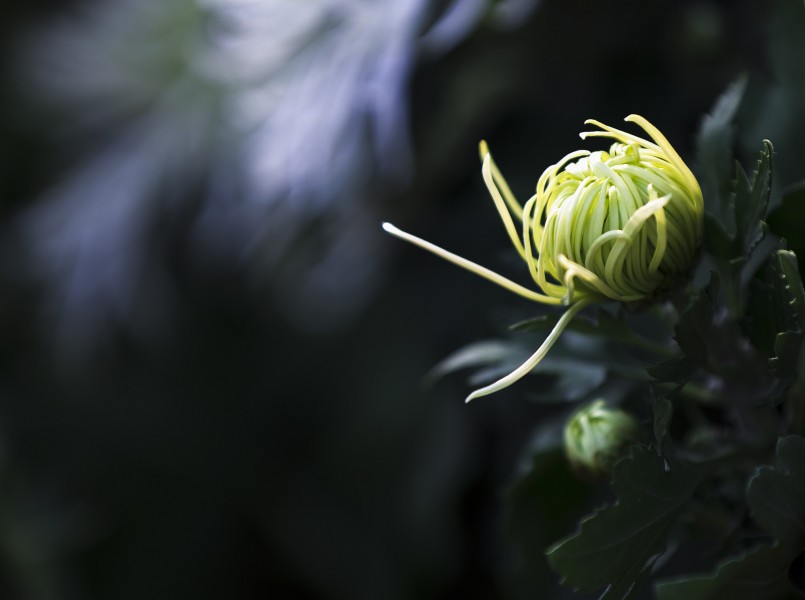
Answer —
618 225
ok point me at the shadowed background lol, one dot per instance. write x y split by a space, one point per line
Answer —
212 356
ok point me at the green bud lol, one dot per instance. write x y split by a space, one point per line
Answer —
622 224
595 436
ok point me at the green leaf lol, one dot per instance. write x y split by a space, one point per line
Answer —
788 46
617 546
714 149
751 202
734 225
788 219
776 493
542 501
691 334
787 348
759 573
564 378
777 303
789 295
777 312
609 327
778 107
694 328
662 411
711 345
479 354
568 379
796 393
776 496
677 370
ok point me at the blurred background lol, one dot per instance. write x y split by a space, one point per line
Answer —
212 357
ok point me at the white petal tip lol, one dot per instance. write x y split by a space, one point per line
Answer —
486 168
477 394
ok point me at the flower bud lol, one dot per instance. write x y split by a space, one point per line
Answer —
622 224
595 436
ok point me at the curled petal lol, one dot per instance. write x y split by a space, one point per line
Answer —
535 358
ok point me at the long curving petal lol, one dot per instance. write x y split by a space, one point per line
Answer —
535 358
501 204
500 182
675 159
471 266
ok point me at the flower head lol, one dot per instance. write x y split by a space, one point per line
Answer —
618 225
595 436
